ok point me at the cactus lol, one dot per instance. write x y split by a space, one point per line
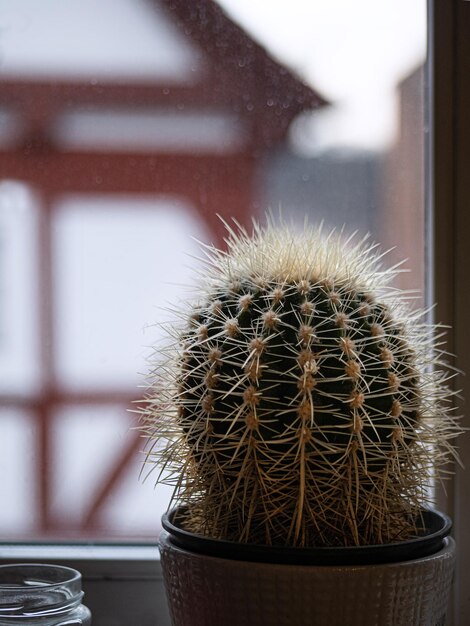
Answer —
302 402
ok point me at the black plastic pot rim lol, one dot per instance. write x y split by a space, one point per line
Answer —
429 542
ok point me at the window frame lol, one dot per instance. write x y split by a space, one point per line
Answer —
449 230
109 570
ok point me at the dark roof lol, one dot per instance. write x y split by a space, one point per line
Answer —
243 70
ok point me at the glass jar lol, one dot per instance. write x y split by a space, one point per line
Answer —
41 595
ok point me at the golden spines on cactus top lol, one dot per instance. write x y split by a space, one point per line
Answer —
299 405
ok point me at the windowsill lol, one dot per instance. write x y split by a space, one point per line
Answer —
119 561
123 584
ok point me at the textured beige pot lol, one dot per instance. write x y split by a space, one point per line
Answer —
209 591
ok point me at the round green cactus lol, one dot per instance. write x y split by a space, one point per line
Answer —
301 404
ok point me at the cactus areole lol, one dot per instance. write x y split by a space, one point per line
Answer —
302 403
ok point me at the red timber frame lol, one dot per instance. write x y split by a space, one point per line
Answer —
241 79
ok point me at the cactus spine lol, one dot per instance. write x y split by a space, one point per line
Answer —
300 403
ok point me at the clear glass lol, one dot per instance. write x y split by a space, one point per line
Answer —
18 434
98 244
41 595
116 155
19 331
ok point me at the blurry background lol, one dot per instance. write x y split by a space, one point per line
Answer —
125 127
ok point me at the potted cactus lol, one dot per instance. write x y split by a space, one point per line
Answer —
301 413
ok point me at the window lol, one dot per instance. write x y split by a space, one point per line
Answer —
113 156
450 196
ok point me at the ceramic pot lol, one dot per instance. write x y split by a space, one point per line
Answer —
214 583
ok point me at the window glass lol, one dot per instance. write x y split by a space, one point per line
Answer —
100 498
17 489
117 155
19 329
140 41
104 332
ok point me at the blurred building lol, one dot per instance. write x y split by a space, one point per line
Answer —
83 130
403 188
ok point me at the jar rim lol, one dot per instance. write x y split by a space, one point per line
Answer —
69 575
38 590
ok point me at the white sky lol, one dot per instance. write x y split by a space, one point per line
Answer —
353 52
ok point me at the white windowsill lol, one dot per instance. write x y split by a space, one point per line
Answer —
124 560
